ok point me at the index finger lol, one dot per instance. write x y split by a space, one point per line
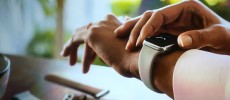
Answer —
125 29
76 39
159 18
71 47
66 48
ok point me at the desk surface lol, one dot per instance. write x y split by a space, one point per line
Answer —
28 74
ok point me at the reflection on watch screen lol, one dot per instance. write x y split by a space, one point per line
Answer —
162 40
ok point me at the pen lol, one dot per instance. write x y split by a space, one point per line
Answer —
95 92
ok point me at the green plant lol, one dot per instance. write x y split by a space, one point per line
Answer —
125 7
209 2
42 44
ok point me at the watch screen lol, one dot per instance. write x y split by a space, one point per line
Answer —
162 40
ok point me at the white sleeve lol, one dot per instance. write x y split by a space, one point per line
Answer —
200 75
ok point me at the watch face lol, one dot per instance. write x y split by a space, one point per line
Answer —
162 40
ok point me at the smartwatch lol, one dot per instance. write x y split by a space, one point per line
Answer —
152 47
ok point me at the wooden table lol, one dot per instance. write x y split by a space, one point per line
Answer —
28 73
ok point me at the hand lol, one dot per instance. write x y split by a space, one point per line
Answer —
100 39
195 24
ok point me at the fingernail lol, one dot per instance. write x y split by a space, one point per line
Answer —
127 47
85 71
120 27
115 31
185 41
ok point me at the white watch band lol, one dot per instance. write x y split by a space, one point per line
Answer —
145 64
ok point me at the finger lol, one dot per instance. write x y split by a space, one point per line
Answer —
165 16
113 19
212 37
110 17
77 38
66 48
162 17
125 29
88 58
112 25
151 26
73 55
136 30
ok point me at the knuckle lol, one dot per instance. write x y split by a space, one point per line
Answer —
157 13
200 36
220 28
222 31
110 16
102 22
128 23
93 30
147 13
210 36
191 2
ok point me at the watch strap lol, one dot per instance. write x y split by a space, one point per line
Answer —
145 66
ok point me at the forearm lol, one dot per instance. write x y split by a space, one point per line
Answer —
202 75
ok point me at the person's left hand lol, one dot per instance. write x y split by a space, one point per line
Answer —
196 26
100 39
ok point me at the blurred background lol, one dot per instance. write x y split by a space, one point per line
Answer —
39 28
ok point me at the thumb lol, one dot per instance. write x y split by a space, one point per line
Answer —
196 39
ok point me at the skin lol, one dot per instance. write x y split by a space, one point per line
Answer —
195 25
163 71
100 39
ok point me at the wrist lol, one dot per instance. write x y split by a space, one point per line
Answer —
134 67
163 71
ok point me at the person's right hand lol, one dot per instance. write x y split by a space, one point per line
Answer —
195 25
